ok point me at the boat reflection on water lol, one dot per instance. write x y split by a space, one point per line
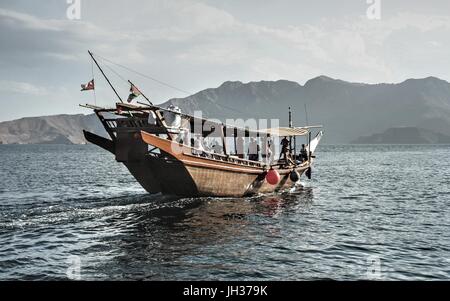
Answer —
274 206
177 232
209 217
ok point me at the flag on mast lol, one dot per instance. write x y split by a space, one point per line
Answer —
134 93
88 86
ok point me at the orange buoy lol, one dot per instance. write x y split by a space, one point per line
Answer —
273 177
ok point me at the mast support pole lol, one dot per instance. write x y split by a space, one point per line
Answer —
104 75
146 98
290 125
224 139
309 148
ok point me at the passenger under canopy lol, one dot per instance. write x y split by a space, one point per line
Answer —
288 131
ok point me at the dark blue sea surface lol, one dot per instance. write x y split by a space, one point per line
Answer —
370 212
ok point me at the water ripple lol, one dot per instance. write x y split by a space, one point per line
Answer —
359 212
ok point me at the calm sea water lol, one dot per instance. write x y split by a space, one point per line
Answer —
370 212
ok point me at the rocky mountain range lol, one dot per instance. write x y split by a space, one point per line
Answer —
57 129
346 110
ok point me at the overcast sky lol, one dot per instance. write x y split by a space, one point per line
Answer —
195 45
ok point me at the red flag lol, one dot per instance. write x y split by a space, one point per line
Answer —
88 86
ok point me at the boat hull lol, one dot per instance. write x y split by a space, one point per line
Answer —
176 178
190 176
140 166
183 174
231 184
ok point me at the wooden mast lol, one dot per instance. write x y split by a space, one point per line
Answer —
224 140
159 117
309 148
104 75
235 133
146 98
290 138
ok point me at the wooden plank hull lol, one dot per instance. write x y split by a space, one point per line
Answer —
144 172
213 182
181 173
138 165
184 174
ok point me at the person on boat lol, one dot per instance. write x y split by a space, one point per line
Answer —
198 147
205 145
253 150
240 147
267 154
184 137
218 149
303 154
179 139
285 146
173 117
151 118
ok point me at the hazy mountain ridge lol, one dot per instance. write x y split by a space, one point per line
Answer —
347 110
404 135
57 129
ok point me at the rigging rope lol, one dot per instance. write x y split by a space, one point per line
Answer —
116 73
143 75
158 81
93 78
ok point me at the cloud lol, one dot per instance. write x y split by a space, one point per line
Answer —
201 34
7 86
196 45
12 18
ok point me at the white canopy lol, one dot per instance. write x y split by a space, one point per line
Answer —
288 131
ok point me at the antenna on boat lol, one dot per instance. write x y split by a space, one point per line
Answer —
290 125
308 171
290 117
104 75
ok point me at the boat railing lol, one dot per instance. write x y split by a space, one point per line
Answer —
131 124
224 158
111 123
126 122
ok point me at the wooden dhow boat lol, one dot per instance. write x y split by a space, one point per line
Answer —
212 174
159 147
